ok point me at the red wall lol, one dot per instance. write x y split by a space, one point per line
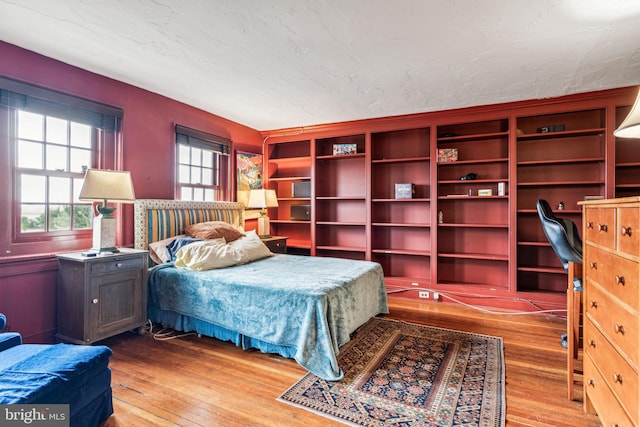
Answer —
27 295
148 135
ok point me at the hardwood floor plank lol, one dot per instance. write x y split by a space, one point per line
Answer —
199 381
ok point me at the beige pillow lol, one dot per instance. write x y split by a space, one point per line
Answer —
251 247
213 230
158 251
207 255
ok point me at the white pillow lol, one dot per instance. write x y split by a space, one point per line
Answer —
158 251
207 255
251 246
217 253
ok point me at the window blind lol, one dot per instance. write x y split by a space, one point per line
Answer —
27 97
199 139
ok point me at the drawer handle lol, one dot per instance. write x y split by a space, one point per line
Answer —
620 280
118 264
625 231
592 343
593 265
603 228
593 304
591 382
590 225
95 300
619 329
617 378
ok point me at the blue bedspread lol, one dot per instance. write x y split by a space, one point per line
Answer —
309 304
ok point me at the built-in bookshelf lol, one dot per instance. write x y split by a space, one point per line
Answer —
478 237
473 214
340 197
289 163
401 219
560 158
627 155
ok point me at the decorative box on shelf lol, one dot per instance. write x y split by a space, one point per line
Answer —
405 190
447 155
484 192
301 212
551 128
341 149
301 189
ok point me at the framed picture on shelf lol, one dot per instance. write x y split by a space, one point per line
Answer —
405 190
447 155
342 149
249 168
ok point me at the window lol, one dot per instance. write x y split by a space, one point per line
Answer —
50 139
51 156
202 165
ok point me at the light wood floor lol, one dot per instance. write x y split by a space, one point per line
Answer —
204 382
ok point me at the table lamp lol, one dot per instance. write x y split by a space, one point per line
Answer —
102 185
263 199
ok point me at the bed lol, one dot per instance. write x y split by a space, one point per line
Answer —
300 307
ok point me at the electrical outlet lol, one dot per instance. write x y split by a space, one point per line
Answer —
423 294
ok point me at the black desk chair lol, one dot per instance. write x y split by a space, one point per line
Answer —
564 238
562 233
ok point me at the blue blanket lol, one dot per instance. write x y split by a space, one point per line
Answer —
309 304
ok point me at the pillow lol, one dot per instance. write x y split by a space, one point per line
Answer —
207 255
179 243
158 251
213 230
251 246
216 253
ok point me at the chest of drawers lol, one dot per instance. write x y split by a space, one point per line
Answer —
611 252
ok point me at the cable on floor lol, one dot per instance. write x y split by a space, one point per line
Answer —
449 296
166 334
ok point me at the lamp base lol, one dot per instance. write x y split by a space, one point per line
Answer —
104 234
263 226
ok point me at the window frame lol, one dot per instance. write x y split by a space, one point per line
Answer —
106 142
220 147
20 236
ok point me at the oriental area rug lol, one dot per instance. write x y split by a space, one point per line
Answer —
404 374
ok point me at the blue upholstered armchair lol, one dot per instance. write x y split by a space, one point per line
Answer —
8 339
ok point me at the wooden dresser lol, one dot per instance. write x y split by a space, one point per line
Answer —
611 235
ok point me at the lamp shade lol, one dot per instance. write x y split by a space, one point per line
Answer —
630 127
262 199
100 185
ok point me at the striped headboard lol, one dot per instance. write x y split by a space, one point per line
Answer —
158 219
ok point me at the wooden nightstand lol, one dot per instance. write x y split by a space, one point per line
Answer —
276 244
101 296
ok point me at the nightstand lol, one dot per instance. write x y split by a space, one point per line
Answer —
101 296
276 244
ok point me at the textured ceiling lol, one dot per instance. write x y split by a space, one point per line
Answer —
290 63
